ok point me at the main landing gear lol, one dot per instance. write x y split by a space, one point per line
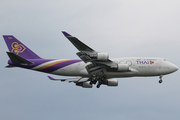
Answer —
96 79
160 81
98 85
102 79
93 80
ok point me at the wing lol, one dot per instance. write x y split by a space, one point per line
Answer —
100 62
77 43
75 80
84 82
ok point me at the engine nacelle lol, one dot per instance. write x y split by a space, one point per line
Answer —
102 56
123 67
84 84
112 82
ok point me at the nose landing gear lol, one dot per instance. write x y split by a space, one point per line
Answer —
160 81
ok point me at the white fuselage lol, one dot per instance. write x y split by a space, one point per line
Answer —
138 67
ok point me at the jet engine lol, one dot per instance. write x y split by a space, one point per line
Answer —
123 67
111 82
84 84
102 56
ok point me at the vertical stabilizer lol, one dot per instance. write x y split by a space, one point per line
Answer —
19 48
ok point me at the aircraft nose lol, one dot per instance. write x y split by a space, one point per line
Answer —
173 67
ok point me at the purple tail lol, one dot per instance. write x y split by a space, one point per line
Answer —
19 48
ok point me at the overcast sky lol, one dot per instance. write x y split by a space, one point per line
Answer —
123 28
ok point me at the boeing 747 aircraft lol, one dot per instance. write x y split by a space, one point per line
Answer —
92 68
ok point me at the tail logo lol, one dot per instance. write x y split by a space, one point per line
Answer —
17 48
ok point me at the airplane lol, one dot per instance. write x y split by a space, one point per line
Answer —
93 67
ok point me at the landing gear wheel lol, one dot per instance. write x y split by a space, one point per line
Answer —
94 82
98 85
160 81
160 77
91 83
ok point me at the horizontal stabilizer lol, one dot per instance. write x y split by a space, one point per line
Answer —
10 66
18 59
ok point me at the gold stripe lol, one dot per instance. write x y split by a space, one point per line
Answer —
51 64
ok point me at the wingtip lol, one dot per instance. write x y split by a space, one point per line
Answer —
66 34
51 78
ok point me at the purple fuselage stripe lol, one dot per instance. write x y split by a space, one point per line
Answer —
41 61
59 65
35 61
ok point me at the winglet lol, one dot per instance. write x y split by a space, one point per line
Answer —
66 34
51 78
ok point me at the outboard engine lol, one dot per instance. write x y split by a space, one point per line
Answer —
102 56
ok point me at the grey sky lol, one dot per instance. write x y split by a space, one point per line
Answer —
123 28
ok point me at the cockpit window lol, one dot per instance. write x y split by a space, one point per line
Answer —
164 59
